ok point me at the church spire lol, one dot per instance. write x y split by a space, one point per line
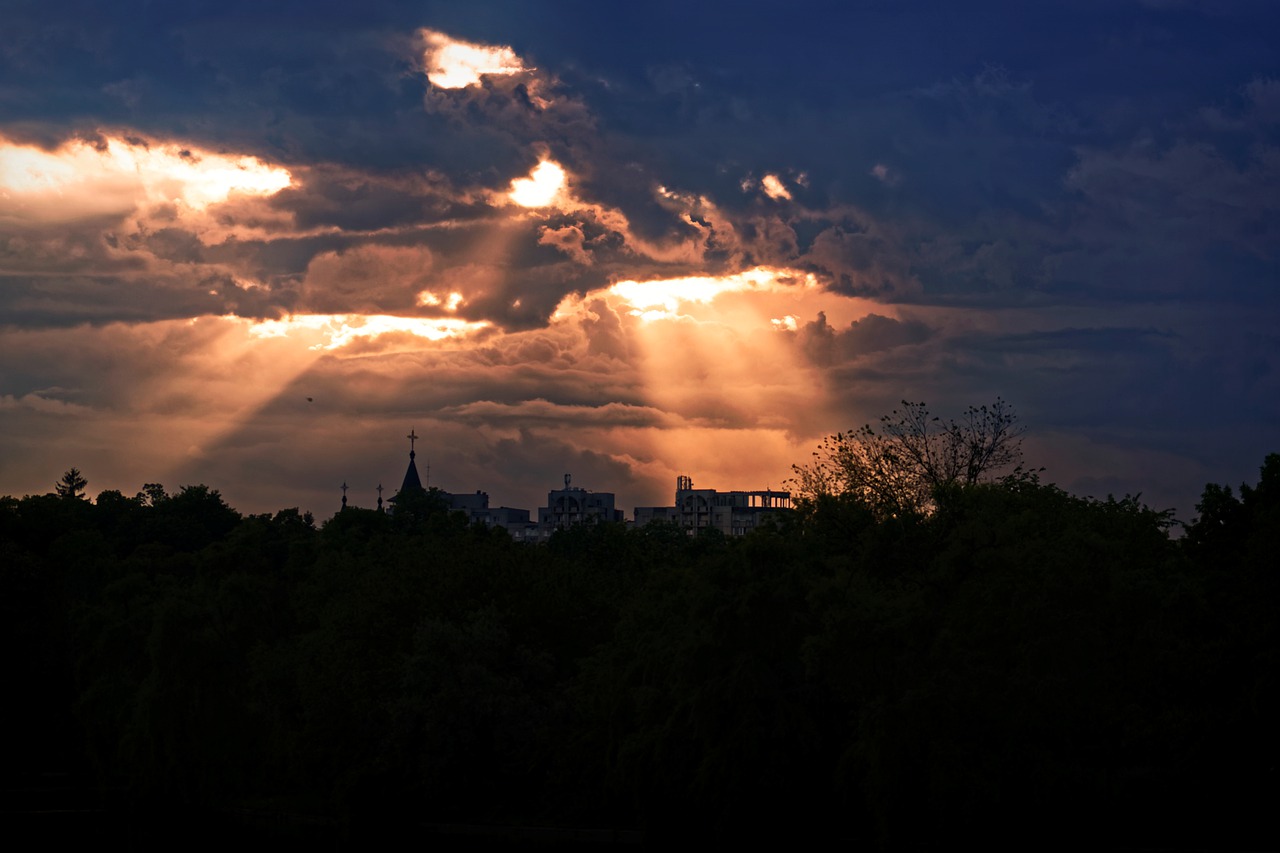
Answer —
411 479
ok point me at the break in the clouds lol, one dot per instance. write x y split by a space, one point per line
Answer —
255 248
113 176
455 64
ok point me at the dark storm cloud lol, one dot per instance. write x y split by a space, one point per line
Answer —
65 301
824 345
350 200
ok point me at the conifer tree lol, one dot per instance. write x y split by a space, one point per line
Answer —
72 485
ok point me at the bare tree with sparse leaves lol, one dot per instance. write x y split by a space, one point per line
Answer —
898 467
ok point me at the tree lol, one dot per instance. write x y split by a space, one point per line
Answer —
1227 525
899 467
194 516
152 494
72 485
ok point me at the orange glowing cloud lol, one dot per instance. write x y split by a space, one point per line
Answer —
774 188
663 298
114 176
455 64
366 279
430 299
337 331
541 188
163 393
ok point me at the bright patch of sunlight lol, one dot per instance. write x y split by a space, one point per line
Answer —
541 187
661 298
334 331
455 64
158 171
774 188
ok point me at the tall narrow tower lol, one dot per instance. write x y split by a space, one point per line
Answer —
411 479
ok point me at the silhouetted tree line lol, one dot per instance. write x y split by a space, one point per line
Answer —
1016 665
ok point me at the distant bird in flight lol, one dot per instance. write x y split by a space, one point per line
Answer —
309 400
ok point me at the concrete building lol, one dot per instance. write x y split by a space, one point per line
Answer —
734 513
476 506
573 505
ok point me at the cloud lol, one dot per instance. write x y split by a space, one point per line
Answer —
857 258
359 334
885 175
454 64
42 402
540 189
940 231
113 175
114 226
871 333
568 239
1185 195
774 188
544 412
666 298
367 279
494 100
1263 94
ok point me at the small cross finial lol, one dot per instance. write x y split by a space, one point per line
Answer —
344 494
379 497
412 438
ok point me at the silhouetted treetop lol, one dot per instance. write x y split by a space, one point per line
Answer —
899 466
72 485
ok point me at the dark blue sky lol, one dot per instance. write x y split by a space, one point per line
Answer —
1073 205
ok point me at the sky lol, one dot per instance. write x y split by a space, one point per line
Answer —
254 245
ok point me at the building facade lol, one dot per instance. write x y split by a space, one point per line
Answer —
573 505
733 513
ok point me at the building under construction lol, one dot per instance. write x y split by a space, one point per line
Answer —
733 513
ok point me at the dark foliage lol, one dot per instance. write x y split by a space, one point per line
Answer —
1019 663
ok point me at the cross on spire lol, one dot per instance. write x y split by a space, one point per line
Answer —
344 494
379 497
411 479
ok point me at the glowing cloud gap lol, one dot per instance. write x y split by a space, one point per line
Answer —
78 177
335 331
542 186
774 188
661 298
455 64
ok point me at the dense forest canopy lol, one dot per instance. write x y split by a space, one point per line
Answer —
1009 659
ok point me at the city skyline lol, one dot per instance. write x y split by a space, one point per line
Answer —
252 247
